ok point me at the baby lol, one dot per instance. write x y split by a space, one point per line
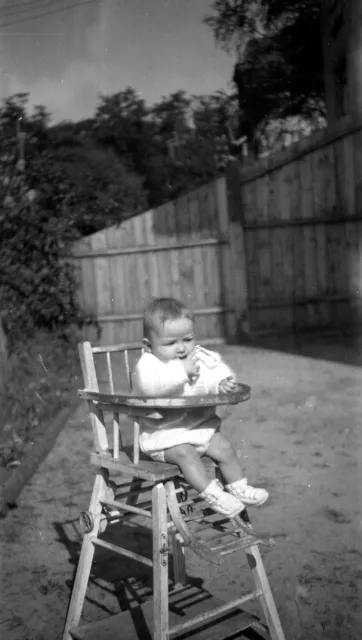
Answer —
173 366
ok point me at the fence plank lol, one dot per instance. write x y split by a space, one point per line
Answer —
344 177
236 207
267 260
225 258
152 265
357 157
182 219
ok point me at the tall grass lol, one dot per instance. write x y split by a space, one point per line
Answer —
41 376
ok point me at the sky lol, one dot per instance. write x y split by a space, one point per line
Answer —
67 52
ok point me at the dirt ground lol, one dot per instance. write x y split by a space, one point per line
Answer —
301 438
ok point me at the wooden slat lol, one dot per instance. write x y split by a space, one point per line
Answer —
301 222
139 316
160 563
148 470
213 613
86 558
102 276
344 176
182 219
184 604
117 347
119 281
312 300
194 212
305 197
122 506
88 287
205 218
152 259
172 260
122 551
273 162
324 204
290 238
268 257
329 247
225 259
151 248
236 205
90 381
357 172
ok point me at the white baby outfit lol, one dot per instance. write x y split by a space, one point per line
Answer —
172 427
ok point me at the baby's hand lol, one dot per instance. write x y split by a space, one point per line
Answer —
228 385
190 365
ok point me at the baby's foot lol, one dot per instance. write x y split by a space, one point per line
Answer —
248 495
220 501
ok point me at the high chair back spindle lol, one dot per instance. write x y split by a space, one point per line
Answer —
87 355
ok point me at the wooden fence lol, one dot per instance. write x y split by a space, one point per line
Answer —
181 249
273 247
301 211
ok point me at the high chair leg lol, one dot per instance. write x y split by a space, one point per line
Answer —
160 563
178 560
267 601
86 555
136 484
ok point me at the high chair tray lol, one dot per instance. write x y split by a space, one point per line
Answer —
129 400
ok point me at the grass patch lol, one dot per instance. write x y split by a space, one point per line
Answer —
42 377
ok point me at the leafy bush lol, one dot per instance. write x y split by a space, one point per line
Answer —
37 274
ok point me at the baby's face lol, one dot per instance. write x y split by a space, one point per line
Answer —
174 340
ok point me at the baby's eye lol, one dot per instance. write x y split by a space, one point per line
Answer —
188 339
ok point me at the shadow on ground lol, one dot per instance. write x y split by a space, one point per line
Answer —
117 585
338 346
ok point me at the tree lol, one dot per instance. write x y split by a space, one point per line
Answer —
161 143
120 121
279 68
89 183
69 186
215 130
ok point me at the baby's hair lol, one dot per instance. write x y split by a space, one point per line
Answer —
160 310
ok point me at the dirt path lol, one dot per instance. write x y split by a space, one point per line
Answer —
300 437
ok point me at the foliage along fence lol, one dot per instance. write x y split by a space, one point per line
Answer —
181 249
301 212
272 247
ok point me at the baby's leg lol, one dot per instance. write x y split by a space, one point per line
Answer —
222 451
187 458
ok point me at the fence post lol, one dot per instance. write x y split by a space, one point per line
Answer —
3 356
237 246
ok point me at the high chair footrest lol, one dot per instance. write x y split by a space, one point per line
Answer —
217 540
184 605
145 469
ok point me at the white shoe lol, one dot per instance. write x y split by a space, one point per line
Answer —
220 501
248 495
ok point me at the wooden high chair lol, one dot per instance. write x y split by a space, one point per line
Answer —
177 517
